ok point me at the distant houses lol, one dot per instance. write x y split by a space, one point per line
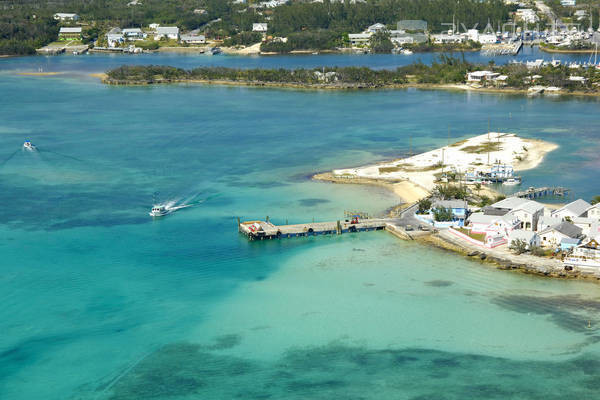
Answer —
193 39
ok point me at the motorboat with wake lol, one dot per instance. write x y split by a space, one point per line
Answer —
28 146
512 182
160 210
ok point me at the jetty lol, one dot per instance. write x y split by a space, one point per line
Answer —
261 230
502 49
533 192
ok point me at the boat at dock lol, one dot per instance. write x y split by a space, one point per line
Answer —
512 181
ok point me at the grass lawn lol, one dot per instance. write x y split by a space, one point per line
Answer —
477 236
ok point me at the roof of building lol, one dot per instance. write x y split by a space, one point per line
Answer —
192 37
450 203
583 220
509 203
65 15
167 30
577 207
132 30
521 234
481 218
548 220
569 240
529 206
566 228
70 30
489 210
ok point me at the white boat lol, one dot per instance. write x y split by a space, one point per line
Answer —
511 182
28 146
158 211
406 52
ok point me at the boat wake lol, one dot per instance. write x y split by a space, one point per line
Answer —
171 206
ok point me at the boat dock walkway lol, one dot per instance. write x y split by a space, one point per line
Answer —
260 230
533 193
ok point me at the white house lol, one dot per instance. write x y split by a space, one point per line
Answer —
153 26
133 34
586 256
553 236
487 38
169 32
574 209
359 38
528 212
376 28
66 17
568 3
527 15
547 221
493 225
193 39
593 212
479 76
530 238
259 27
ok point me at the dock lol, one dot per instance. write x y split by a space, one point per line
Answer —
502 49
262 230
533 193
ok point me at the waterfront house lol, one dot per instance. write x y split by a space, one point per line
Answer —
481 76
493 225
133 34
529 213
530 238
553 236
169 32
66 33
458 208
574 209
259 27
359 39
66 17
567 244
193 39
585 255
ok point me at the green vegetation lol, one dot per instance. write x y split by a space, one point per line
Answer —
448 192
243 39
381 43
309 40
442 214
519 246
483 148
424 206
595 200
477 236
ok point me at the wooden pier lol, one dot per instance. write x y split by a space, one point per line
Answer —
261 230
534 193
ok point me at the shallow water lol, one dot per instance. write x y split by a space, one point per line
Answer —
99 301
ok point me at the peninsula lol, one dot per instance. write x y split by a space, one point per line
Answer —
415 177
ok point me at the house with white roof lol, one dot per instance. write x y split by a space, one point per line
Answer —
529 213
574 209
530 238
357 39
376 28
133 34
193 39
66 17
480 76
259 27
493 225
585 256
553 236
546 221
169 32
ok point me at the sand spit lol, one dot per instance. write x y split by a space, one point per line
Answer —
415 177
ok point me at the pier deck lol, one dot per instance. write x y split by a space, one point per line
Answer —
260 230
533 193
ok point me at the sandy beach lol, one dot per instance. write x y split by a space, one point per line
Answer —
414 178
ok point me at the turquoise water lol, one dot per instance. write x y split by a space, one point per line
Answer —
101 302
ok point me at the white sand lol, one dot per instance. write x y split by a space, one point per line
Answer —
421 169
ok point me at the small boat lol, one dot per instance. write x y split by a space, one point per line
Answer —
28 146
511 182
407 52
158 211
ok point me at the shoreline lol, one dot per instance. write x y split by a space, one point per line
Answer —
349 86
560 51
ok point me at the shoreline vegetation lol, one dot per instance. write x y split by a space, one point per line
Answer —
447 73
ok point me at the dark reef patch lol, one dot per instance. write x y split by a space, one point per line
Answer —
439 283
312 202
337 370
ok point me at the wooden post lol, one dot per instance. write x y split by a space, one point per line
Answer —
238 221
339 227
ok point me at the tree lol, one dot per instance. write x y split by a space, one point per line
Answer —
595 200
519 246
442 214
380 42
424 206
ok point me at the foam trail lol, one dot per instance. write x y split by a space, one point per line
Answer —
62 155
